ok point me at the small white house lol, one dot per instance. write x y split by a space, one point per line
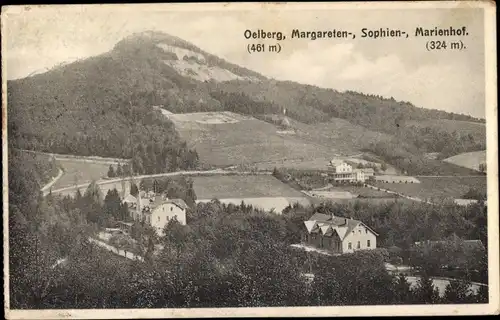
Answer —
157 210
166 211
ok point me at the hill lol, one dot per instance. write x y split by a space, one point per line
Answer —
102 105
226 139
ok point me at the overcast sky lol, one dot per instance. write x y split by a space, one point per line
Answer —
40 38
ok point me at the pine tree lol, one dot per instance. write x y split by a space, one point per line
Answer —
119 170
425 292
134 190
481 295
403 289
457 291
111 171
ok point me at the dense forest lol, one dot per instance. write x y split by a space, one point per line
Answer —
117 127
226 256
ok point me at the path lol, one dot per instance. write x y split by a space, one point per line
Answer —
95 159
168 174
126 254
469 176
51 183
399 194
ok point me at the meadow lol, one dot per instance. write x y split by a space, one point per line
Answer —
77 172
469 160
229 139
437 187
241 186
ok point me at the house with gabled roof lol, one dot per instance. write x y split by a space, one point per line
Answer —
156 210
338 234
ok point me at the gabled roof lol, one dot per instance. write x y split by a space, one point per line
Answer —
336 162
326 229
158 200
180 203
342 226
130 198
310 225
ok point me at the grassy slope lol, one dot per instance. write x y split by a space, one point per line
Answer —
255 141
241 186
444 187
469 160
76 172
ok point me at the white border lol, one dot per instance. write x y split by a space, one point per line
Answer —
492 179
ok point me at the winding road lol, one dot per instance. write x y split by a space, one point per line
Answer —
158 175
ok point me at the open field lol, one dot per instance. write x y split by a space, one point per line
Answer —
349 192
225 187
264 192
76 172
437 187
225 139
469 160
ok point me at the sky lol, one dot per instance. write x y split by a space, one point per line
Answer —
38 38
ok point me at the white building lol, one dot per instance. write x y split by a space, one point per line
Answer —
338 234
343 172
157 210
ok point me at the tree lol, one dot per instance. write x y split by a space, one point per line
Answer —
119 170
403 290
482 167
111 172
113 205
425 292
383 166
457 291
134 190
127 170
481 295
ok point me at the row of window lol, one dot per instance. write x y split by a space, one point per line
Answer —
358 246
168 218
366 231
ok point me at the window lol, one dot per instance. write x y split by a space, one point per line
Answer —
359 230
349 245
368 243
366 230
171 208
158 218
359 245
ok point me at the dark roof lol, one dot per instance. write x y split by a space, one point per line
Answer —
339 221
159 201
180 203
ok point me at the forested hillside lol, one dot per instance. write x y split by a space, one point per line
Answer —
102 105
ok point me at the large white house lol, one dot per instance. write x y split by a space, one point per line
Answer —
156 210
338 234
343 172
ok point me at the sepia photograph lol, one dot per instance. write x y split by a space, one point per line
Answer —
250 159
